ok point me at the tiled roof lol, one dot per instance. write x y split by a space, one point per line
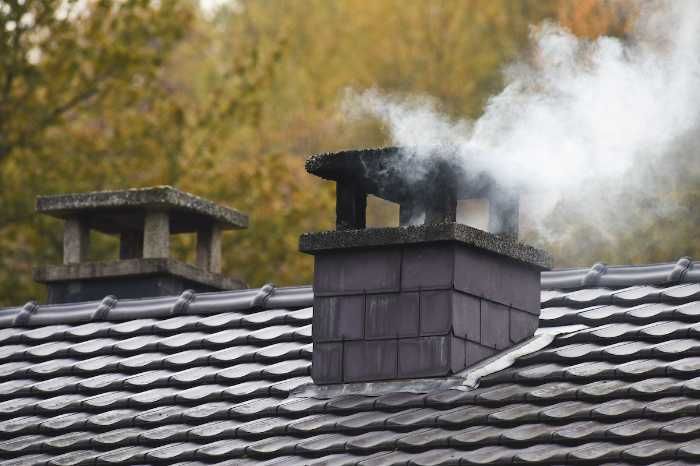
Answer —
223 378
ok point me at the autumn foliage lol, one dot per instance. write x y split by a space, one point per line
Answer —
101 94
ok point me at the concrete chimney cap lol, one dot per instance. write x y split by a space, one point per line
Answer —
113 211
427 183
382 172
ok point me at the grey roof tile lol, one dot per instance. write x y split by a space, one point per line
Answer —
115 438
214 430
216 384
229 448
34 460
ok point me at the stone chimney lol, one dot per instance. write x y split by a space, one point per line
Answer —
422 300
143 219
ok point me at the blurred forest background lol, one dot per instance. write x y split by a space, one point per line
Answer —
227 101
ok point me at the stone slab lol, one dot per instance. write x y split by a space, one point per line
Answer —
134 268
114 211
325 241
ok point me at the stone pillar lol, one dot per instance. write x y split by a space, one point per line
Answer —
76 241
209 248
350 206
156 235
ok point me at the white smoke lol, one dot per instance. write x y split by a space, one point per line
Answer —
581 114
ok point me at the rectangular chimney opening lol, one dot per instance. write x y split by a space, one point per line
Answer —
381 213
103 247
182 247
473 212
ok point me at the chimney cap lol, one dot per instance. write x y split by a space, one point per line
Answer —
328 241
113 211
144 219
427 192
380 172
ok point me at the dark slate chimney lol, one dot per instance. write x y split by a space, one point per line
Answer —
143 219
422 300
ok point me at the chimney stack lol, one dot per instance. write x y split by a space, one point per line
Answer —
143 219
423 300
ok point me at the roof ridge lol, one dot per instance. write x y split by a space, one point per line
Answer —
684 270
110 308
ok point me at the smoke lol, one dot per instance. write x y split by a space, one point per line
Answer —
576 122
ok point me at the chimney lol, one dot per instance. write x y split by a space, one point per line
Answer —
143 219
422 300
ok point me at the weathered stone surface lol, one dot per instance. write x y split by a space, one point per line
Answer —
315 243
209 248
76 241
156 235
112 211
133 267
144 219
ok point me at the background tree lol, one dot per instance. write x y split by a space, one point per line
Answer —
115 94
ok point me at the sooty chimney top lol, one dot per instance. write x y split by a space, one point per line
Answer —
429 198
143 219
428 298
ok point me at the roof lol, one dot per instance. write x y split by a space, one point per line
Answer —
223 378
187 212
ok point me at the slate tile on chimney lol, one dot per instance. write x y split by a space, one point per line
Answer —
326 364
477 352
501 280
458 354
424 356
435 312
391 315
369 360
347 272
338 318
522 325
495 325
466 316
427 267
